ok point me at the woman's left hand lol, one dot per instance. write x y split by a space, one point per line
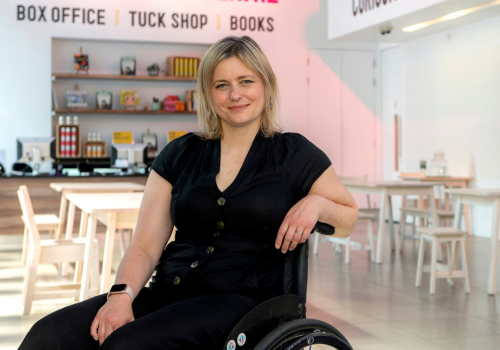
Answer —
300 218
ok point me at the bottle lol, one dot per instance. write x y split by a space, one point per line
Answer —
438 164
61 120
73 141
94 136
99 138
68 120
89 151
63 141
94 151
99 151
75 120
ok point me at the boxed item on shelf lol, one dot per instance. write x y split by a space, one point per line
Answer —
183 67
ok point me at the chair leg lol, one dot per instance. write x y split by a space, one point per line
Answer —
369 233
316 242
449 261
123 245
402 225
435 243
464 266
348 250
26 243
30 281
420 263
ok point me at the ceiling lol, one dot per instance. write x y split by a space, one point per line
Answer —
372 34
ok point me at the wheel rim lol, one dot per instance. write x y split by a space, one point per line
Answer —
299 339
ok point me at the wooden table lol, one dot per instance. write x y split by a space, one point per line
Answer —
387 189
488 197
86 187
116 211
449 182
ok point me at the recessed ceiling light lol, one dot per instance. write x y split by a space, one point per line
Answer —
450 16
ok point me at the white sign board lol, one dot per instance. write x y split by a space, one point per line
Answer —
348 16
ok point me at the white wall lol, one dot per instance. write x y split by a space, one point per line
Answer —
451 101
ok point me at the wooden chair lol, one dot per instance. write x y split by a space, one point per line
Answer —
365 214
51 251
451 237
44 222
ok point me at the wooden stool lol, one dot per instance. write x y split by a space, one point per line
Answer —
450 236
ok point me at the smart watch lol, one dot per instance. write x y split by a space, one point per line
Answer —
121 289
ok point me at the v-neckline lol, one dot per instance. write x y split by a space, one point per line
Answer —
218 155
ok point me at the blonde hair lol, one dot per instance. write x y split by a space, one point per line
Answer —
249 52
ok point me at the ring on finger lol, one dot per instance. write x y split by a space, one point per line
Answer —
299 233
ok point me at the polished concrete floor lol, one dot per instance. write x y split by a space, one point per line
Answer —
374 306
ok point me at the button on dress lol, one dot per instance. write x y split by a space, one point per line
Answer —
225 239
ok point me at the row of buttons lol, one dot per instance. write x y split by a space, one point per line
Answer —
220 225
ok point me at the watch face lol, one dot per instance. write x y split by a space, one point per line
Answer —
118 288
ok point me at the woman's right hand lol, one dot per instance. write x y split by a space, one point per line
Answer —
115 313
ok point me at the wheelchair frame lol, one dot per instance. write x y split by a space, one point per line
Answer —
280 323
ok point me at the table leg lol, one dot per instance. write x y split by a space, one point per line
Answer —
494 248
381 226
394 240
108 253
62 214
83 230
87 262
421 206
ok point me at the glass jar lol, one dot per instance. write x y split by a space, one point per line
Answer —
438 164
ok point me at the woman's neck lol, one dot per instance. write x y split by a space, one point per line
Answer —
239 139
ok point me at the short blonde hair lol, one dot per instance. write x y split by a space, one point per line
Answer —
249 52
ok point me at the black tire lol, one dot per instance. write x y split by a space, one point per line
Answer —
300 331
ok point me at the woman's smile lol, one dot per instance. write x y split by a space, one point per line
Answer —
238 108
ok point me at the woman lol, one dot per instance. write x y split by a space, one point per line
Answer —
241 194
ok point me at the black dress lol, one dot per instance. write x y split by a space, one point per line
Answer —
223 261
225 240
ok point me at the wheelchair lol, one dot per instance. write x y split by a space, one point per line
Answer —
280 323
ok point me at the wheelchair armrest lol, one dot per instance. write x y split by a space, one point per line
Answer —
323 229
265 318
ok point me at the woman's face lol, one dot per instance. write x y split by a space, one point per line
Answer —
237 93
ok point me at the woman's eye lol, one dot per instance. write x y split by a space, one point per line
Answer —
220 85
247 81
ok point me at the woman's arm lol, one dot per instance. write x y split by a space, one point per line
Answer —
154 227
328 201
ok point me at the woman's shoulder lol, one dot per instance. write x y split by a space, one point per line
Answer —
290 141
189 139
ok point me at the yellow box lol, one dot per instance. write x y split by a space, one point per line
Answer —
172 135
122 137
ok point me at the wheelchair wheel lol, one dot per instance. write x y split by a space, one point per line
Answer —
301 334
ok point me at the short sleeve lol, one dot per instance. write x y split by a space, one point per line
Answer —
305 164
172 159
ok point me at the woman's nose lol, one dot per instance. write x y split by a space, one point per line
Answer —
235 94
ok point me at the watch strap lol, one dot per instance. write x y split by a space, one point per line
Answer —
127 290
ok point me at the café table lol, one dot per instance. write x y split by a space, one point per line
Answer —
387 189
486 197
449 182
116 211
86 187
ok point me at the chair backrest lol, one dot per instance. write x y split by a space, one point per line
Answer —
29 215
361 178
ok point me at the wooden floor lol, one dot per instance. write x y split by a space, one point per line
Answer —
375 306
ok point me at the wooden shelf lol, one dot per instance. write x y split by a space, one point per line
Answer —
114 111
56 76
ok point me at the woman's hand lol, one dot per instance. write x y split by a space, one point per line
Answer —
300 218
115 313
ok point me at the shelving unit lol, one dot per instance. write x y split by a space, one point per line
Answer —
56 76
114 111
